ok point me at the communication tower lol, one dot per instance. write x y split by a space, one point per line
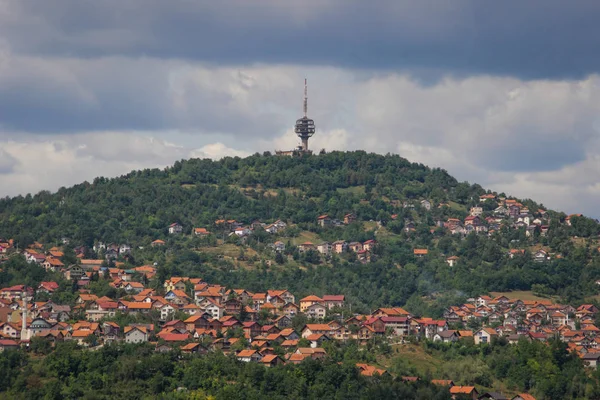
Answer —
305 127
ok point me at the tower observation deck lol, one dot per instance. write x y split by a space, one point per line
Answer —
305 127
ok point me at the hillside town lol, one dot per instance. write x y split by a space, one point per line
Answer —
195 317
274 327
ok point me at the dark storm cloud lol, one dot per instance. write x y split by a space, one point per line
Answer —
533 39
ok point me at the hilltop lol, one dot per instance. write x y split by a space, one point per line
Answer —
438 240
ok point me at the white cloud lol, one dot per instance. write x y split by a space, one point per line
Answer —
31 165
531 138
216 151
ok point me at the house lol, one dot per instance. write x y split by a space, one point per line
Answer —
309 301
486 197
134 287
476 211
278 246
193 348
178 297
290 310
339 246
136 334
175 228
73 273
369 245
52 264
349 218
249 356
452 260
306 246
420 252
540 256
459 392
124 249
175 283
284 294
515 252
448 336
158 243
242 231
591 359
271 360
202 232
324 248
215 310
426 204
355 246
316 311
370 370
485 335
324 221
311 329
473 221
332 301
47 287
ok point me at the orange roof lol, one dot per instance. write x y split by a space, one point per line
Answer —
526 396
462 389
269 358
369 370
190 346
82 333
420 251
318 327
246 353
180 293
135 305
311 298
139 328
91 262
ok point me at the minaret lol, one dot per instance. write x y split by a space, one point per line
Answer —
305 127
24 331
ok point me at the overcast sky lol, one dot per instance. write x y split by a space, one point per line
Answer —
505 94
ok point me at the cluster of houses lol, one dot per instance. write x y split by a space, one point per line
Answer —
231 227
363 251
515 320
258 327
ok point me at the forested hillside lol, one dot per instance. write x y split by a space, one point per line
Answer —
385 194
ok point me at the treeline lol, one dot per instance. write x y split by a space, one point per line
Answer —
137 372
123 371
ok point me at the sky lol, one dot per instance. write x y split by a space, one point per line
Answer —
504 94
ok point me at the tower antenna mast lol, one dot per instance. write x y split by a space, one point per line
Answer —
305 98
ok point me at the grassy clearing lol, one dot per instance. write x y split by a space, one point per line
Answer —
456 206
359 190
370 226
519 295
306 236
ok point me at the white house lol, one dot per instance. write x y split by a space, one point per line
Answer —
136 334
175 228
484 335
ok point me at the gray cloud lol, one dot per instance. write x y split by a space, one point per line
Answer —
535 39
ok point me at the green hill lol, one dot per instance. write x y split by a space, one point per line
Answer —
383 192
